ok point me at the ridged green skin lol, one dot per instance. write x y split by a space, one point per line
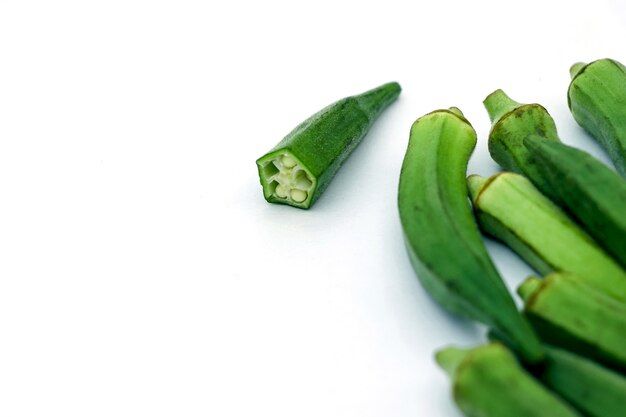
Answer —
597 100
509 208
591 388
441 235
526 142
487 381
568 313
324 141
586 188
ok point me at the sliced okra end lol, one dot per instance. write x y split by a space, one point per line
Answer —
286 180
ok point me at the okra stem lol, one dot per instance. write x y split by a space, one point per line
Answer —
450 358
529 287
300 167
475 184
498 104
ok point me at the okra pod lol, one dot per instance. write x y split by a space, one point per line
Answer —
300 167
487 381
509 208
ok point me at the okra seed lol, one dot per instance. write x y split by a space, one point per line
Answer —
292 182
282 191
288 162
298 195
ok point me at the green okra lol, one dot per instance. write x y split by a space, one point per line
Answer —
508 207
586 188
523 139
512 122
487 381
593 389
441 235
568 313
597 100
588 386
300 167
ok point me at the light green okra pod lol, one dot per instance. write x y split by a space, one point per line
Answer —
441 235
509 208
487 381
567 312
523 139
597 100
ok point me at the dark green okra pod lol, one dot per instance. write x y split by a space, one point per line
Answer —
597 100
441 235
523 139
588 386
298 170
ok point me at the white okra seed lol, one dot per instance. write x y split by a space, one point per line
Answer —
298 195
282 191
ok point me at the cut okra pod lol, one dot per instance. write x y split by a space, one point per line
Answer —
569 313
487 381
509 208
512 123
300 167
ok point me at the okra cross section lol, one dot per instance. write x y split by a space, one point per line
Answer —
300 167
284 177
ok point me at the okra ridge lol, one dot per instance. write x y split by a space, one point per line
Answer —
455 111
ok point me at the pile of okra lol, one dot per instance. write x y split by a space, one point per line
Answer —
557 207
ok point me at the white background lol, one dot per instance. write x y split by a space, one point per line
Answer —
141 271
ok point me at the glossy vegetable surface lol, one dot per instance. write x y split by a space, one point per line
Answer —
441 235
597 100
300 167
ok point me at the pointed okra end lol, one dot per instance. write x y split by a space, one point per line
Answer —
286 180
475 184
374 101
529 287
450 358
498 104
576 68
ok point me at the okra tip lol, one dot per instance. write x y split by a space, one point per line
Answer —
498 104
529 287
374 101
450 358
575 69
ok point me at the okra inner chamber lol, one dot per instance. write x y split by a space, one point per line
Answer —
287 179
